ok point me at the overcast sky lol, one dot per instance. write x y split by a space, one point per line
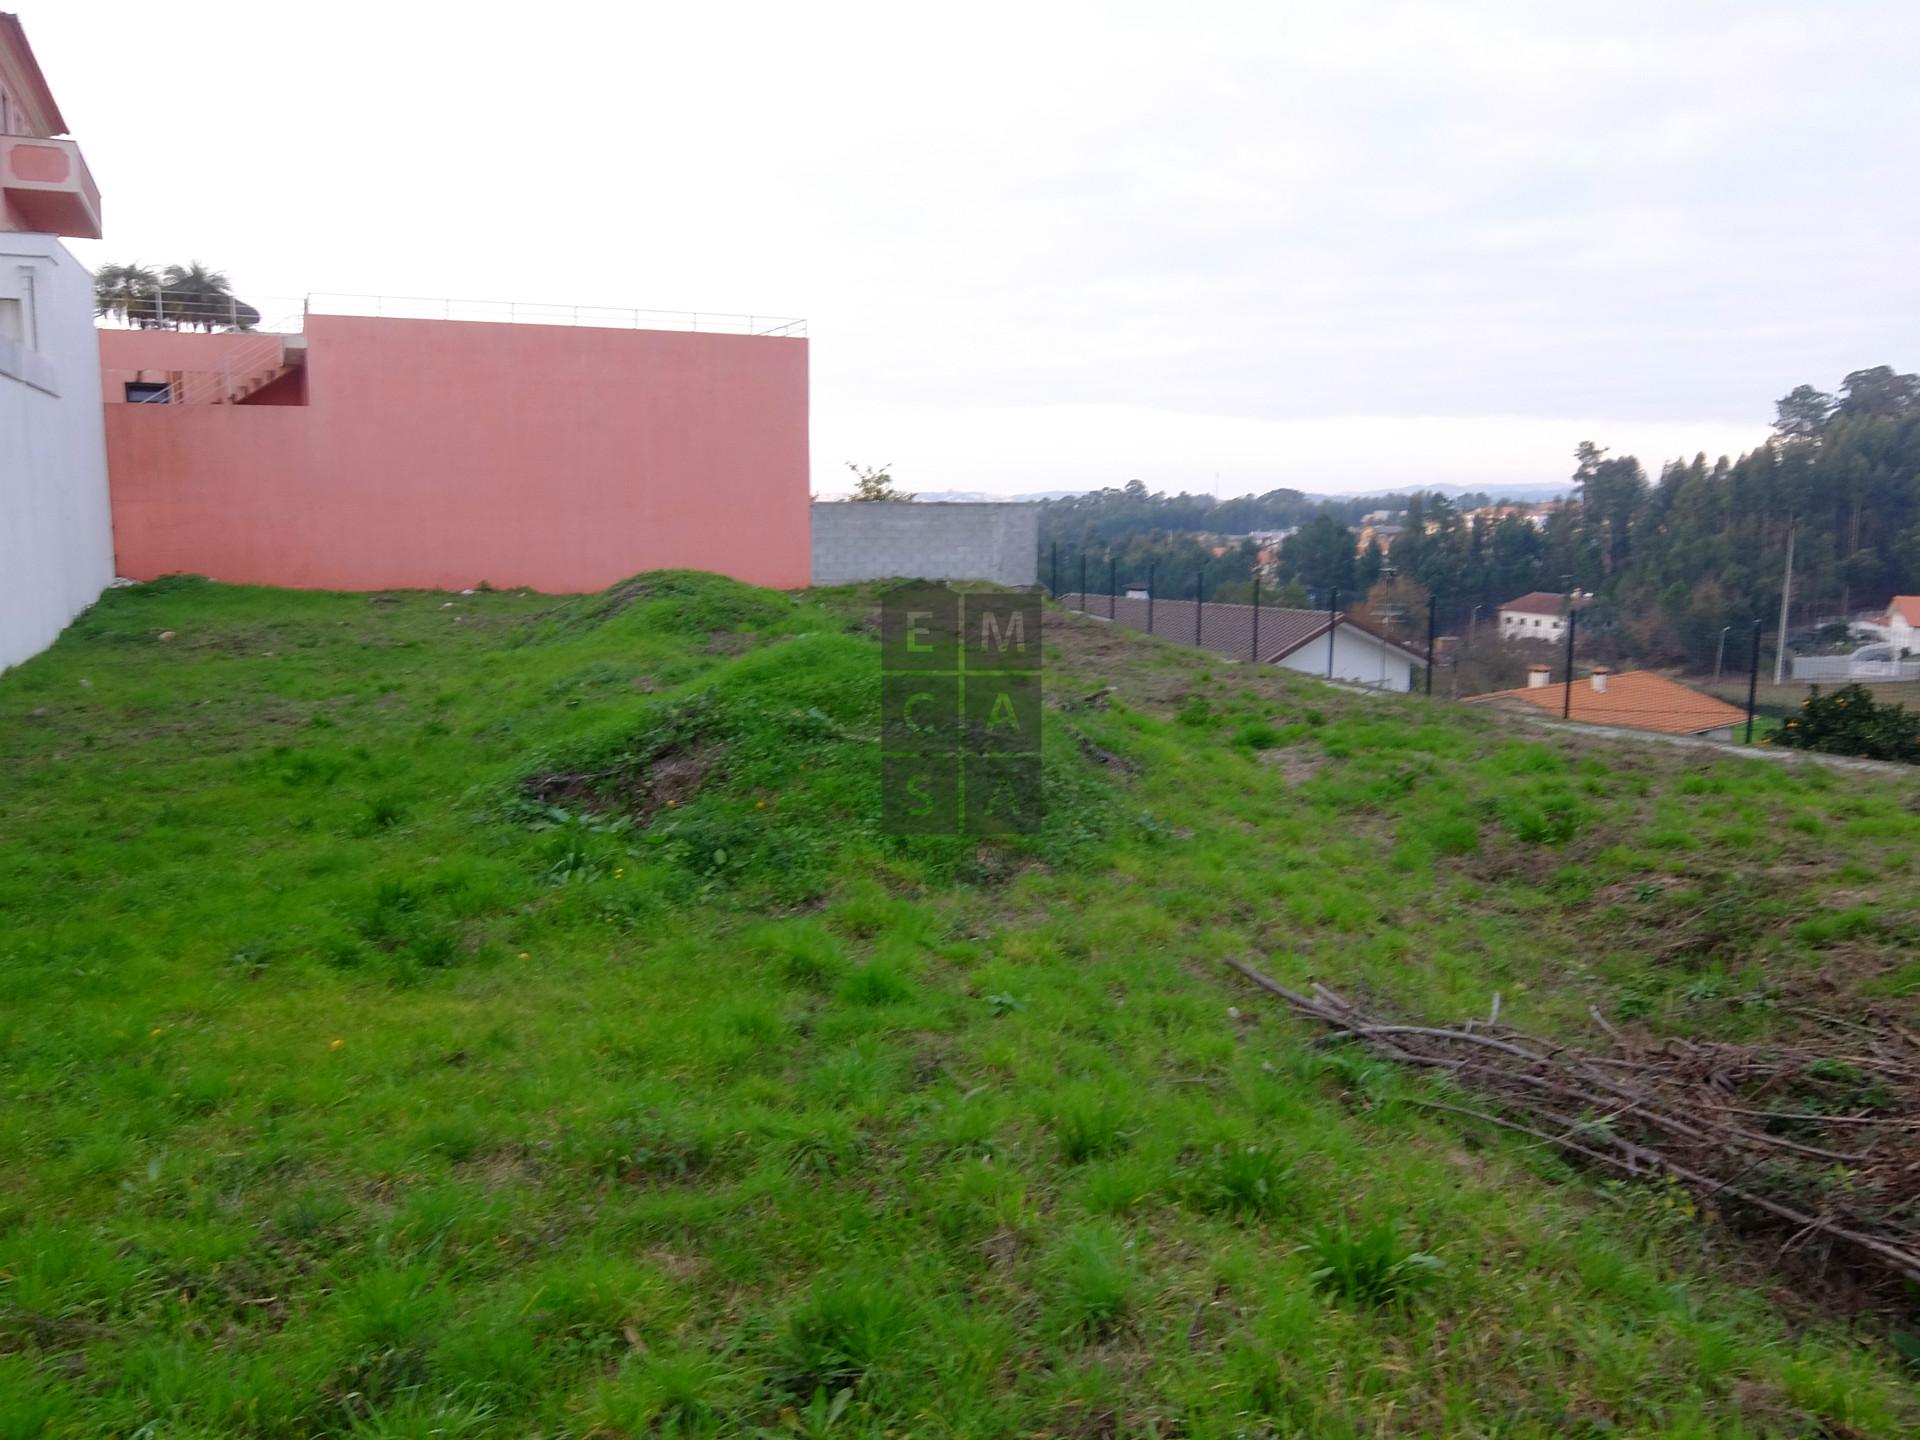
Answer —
1057 246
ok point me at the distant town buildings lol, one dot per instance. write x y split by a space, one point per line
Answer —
1379 533
1536 514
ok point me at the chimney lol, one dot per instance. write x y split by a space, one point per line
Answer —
1600 673
1537 676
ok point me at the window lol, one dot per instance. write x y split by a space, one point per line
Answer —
149 392
16 308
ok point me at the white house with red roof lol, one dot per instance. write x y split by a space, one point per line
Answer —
1537 615
1903 624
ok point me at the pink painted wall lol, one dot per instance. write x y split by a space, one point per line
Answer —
127 354
437 454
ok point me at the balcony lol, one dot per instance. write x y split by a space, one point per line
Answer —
45 183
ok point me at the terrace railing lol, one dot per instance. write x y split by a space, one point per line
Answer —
523 312
160 312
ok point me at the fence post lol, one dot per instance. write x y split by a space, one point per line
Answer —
1199 602
1753 680
1433 602
1083 582
1149 599
1113 571
1333 625
1253 646
1566 695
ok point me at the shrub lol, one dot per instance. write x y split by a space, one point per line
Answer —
1372 1266
1851 722
1257 735
1094 1279
841 1331
1088 1121
1245 1180
1546 816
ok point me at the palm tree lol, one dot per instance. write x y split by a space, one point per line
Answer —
199 298
127 291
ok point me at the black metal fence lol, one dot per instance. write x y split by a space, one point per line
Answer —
1308 639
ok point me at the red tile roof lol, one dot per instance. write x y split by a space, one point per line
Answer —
1538 602
1907 607
1637 699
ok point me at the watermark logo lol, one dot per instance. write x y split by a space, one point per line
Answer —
960 712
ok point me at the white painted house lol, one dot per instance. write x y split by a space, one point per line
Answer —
1903 624
1355 654
1272 634
56 533
1537 615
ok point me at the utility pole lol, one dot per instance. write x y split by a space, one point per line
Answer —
1786 594
1566 695
1333 625
1433 602
1753 679
1720 652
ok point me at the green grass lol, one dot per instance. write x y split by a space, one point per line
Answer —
488 1015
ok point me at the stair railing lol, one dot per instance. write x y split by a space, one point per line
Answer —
266 353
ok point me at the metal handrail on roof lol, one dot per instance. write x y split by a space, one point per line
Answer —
524 312
228 314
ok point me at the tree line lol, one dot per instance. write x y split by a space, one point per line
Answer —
1671 561
179 297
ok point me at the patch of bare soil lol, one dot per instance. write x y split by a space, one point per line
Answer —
637 791
1110 658
1296 763
583 611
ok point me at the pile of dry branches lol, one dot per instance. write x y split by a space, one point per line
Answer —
1822 1147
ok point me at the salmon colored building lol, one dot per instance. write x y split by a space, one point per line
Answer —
370 452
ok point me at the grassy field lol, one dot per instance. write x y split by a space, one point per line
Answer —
482 1015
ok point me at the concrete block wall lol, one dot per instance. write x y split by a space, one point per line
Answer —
883 540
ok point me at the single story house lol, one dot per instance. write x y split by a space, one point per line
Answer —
1633 700
1537 615
1903 624
1273 634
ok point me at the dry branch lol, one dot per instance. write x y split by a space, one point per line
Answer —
1696 1113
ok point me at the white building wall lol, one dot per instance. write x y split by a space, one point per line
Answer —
1357 658
56 528
1522 625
